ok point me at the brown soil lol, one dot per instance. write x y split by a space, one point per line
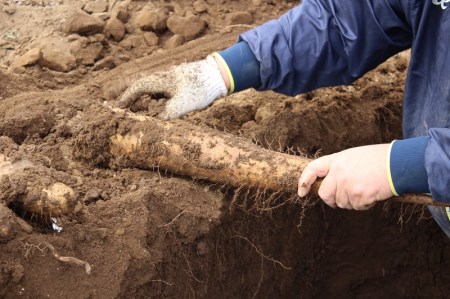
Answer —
153 234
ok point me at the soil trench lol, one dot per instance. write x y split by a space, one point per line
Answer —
80 220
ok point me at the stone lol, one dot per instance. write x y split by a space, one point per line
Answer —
188 27
95 6
57 59
72 37
105 63
178 9
151 38
174 41
149 19
129 28
115 28
9 9
84 24
85 52
124 57
97 38
101 15
236 18
132 42
31 57
17 69
199 6
121 12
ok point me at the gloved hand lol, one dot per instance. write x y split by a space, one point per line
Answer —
354 179
190 86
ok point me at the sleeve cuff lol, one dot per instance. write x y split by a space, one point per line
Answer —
242 67
407 166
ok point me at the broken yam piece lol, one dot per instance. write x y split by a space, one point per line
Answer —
33 189
7 227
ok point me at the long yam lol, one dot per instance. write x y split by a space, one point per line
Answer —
202 153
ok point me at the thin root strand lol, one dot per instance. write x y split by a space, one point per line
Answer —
69 260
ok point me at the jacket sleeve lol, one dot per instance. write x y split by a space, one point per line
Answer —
327 42
421 165
437 163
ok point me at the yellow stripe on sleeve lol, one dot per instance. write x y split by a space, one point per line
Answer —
227 70
447 209
389 175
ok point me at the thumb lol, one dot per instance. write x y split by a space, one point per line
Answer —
316 168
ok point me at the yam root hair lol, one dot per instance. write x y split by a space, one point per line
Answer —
201 153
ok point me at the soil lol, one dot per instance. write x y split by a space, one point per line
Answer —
155 234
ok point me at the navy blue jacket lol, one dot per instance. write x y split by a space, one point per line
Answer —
334 42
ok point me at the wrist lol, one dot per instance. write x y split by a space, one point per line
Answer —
240 67
406 166
223 68
213 82
389 173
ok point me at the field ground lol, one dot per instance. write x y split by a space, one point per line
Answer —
153 234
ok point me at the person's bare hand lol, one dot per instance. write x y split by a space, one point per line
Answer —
354 179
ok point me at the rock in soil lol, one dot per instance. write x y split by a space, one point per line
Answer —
58 59
105 63
95 6
151 38
149 19
31 57
121 12
188 27
241 17
200 6
174 41
83 24
115 28
86 52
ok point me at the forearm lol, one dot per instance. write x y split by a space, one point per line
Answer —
223 72
319 43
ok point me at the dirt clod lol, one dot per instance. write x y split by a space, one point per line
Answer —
115 28
58 59
188 27
84 24
29 58
149 19
241 17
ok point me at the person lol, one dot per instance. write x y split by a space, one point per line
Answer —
333 42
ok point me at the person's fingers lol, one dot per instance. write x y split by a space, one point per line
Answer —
171 112
178 105
316 168
368 206
342 199
135 90
327 190
161 83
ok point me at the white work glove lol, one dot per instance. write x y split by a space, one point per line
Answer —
355 178
190 86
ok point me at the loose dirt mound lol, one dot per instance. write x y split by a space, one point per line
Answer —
153 234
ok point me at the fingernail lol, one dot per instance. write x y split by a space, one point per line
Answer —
301 193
